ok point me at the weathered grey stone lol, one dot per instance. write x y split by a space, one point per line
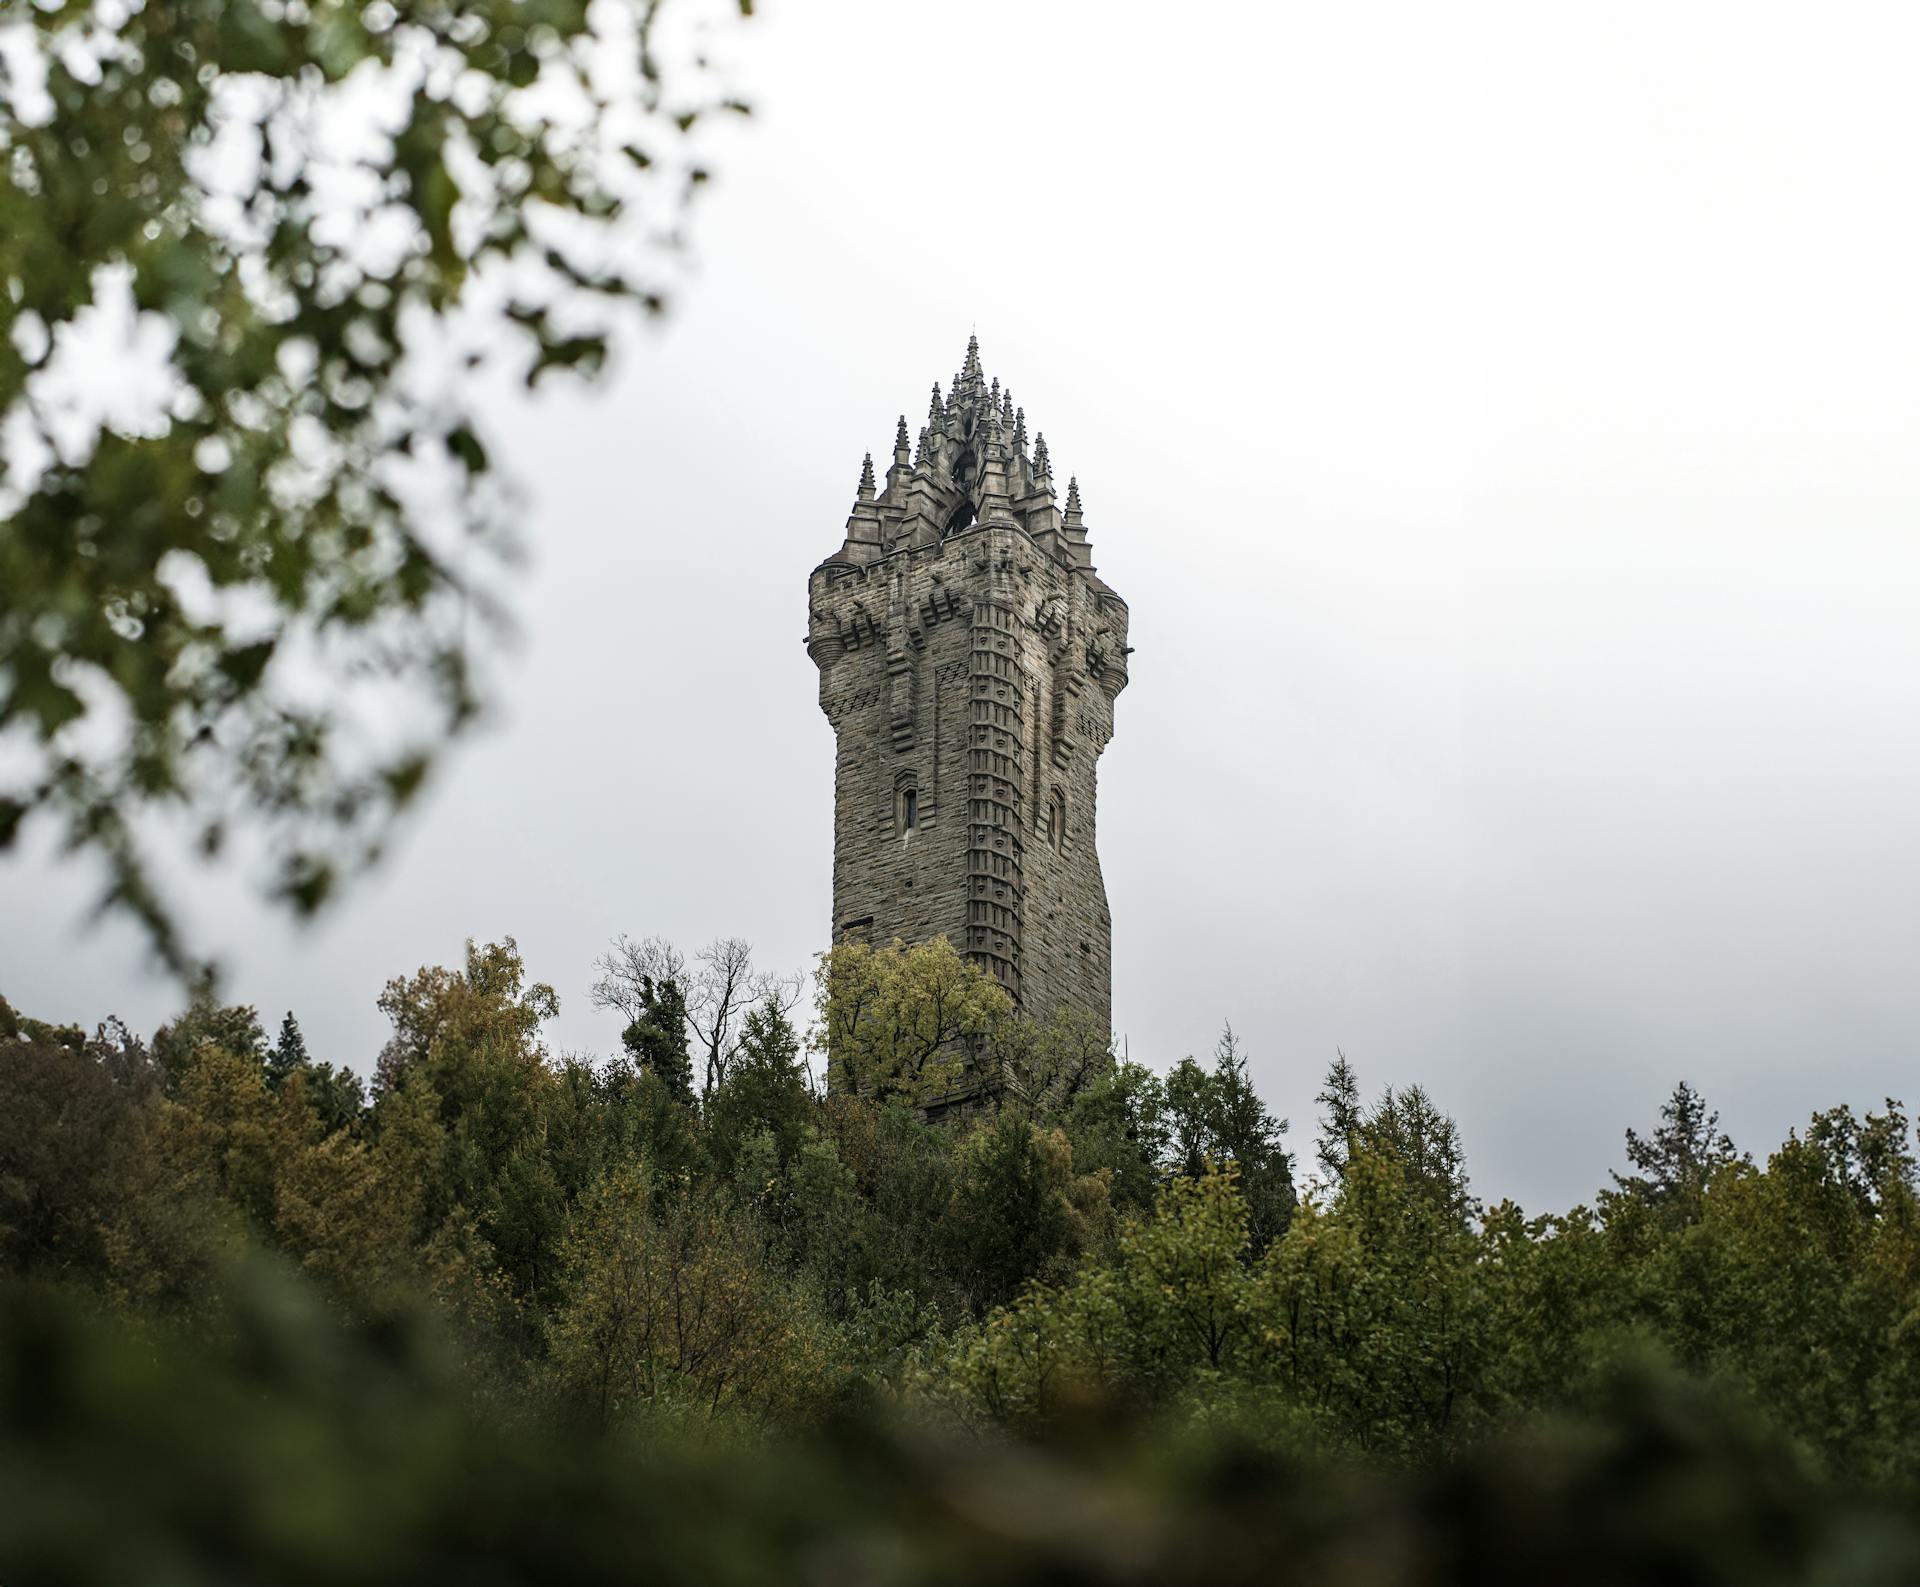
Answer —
969 657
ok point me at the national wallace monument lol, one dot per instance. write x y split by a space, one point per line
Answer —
969 659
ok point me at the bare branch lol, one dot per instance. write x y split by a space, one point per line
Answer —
624 970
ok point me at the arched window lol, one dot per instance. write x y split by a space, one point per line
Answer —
1057 819
906 804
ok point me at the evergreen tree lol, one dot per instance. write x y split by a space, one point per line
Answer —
288 1053
1340 1097
1119 1124
1018 1207
1217 1118
1248 1134
657 1040
765 1090
1676 1161
233 1029
1406 1128
1189 1094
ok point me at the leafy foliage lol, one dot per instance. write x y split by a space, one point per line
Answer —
324 224
907 1024
1072 1257
290 1448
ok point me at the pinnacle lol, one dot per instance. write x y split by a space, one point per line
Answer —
1019 428
1040 459
866 476
900 433
1073 493
972 365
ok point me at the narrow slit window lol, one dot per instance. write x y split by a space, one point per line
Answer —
909 809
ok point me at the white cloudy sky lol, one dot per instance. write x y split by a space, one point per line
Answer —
1501 420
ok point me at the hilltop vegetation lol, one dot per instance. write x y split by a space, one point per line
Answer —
695 1245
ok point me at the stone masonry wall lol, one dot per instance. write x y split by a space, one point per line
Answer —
980 672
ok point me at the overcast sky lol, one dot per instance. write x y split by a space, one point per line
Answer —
1501 421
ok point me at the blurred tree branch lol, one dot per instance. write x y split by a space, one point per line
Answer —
290 241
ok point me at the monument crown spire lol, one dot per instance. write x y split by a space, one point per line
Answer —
970 464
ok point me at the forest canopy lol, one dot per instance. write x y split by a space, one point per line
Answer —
699 1243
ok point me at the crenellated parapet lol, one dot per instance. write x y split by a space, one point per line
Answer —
969 658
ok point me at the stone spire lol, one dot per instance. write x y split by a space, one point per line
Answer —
1073 530
976 462
969 376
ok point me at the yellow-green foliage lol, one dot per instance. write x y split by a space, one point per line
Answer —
1387 1322
671 1310
1169 1309
595 1239
903 1022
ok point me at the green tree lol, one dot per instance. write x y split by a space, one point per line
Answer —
1166 1316
657 1037
1370 1314
868 1194
1800 1281
1216 1117
764 1092
1056 1063
670 1312
1344 1115
336 1096
288 1053
908 1023
234 1029
1407 1128
397 199
1674 1164
468 1040
73 1135
1119 1125
1018 1209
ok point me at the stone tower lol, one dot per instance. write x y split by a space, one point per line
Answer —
969 658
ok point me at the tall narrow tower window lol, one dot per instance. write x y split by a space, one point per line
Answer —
909 810
1057 819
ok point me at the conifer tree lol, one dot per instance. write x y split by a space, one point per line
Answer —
657 1039
288 1053
1217 1119
1340 1096
1675 1162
